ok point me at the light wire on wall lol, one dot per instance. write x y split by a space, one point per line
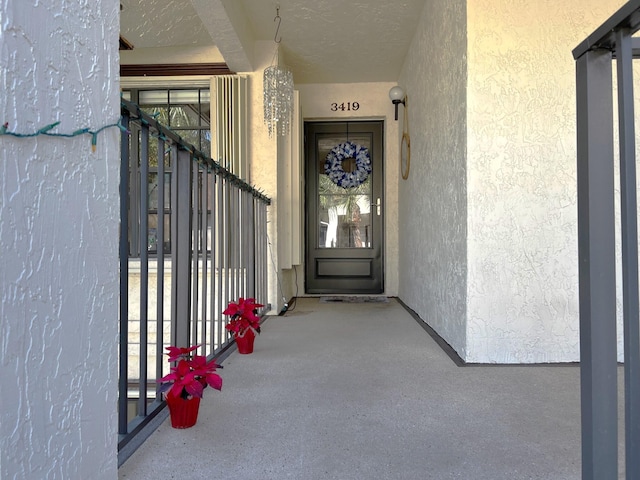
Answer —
46 131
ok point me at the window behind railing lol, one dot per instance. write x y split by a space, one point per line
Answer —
212 227
187 112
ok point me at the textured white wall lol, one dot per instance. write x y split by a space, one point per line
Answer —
432 206
59 215
522 218
488 216
263 166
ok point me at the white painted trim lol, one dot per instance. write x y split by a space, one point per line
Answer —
196 81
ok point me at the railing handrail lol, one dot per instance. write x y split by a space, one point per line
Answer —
628 16
203 159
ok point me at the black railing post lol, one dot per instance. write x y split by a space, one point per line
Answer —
182 248
160 246
629 239
194 258
204 249
123 354
143 241
250 236
596 252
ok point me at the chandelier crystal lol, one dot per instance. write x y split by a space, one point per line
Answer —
278 99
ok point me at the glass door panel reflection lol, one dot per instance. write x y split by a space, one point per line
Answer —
344 214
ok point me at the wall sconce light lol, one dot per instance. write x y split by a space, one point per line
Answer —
397 96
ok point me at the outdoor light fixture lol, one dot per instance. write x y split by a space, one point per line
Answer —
397 96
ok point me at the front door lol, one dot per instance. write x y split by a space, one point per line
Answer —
344 227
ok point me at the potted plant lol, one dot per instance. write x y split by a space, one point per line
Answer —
244 323
184 386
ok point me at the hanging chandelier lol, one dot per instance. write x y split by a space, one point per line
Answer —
278 99
278 92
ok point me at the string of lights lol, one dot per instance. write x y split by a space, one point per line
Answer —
162 133
46 130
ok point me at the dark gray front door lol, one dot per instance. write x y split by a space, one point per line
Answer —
344 222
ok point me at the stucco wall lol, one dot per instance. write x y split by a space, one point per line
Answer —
263 167
432 206
522 218
374 102
59 215
488 214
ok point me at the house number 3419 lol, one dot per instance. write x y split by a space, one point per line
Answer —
345 106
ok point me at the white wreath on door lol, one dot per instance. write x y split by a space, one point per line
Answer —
333 165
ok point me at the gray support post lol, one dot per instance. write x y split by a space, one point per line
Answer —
160 267
226 235
232 235
204 246
596 250
237 242
629 223
194 258
251 247
215 315
263 246
219 256
123 379
143 241
173 202
181 247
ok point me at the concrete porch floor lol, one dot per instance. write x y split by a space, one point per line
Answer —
361 391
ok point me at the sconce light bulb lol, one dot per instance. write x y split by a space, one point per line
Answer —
396 94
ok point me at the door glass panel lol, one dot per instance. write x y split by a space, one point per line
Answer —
344 214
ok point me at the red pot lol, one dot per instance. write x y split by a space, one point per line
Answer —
183 412
245 343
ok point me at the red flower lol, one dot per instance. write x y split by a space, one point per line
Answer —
206 370
191 375
246 309
244 316
176 353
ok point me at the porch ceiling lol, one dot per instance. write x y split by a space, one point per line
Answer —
323 41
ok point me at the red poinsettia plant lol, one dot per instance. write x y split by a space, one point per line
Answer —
244 316
191 375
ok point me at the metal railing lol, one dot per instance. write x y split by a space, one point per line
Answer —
596 244
193 237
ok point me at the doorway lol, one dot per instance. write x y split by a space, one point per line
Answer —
344 201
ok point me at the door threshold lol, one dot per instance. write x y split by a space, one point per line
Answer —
354 299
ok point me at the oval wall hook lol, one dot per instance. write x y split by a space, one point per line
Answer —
275 37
